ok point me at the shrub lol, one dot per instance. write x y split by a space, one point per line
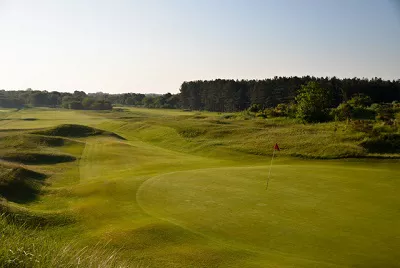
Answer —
281 109
261 114
345 111
342 112
375 106
255 108
313 103
360 100
363 113
386 113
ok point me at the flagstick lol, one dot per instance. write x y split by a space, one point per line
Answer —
270 166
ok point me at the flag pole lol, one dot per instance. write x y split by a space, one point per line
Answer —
270 166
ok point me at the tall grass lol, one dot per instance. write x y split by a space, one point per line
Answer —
26 247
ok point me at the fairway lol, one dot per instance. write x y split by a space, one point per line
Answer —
313 212
183 189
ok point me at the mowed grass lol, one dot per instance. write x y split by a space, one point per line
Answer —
322 214
187 189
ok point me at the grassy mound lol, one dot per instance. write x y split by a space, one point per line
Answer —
37 158
24 141
18 184
16 214
46 140
76 131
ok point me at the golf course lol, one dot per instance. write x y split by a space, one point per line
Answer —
137 187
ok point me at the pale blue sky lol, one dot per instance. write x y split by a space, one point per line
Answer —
153 46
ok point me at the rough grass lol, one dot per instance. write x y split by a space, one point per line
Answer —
25 141
17 214
22 248
256 137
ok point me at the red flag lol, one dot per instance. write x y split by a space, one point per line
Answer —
276 147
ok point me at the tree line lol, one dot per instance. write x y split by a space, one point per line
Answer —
80 100
223 95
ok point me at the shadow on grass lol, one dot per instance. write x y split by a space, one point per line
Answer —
37 158
386 143
76 131
46 140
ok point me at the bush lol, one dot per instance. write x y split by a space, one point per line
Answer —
360 100
363 113
313 103
386 113
261 114
375 106
342 112
255 108
347 111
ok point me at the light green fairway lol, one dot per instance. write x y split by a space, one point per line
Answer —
39 118
182 189
313 212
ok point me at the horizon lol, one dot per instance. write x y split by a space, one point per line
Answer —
152 47
154 93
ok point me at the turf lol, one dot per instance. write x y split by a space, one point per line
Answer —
187 189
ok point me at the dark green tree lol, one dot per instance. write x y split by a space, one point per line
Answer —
313 103
87 103
39 98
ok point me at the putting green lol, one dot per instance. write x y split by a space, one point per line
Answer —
331 213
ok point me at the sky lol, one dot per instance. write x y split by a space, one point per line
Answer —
152 46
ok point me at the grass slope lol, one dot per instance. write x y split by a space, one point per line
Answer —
18 184
184 189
